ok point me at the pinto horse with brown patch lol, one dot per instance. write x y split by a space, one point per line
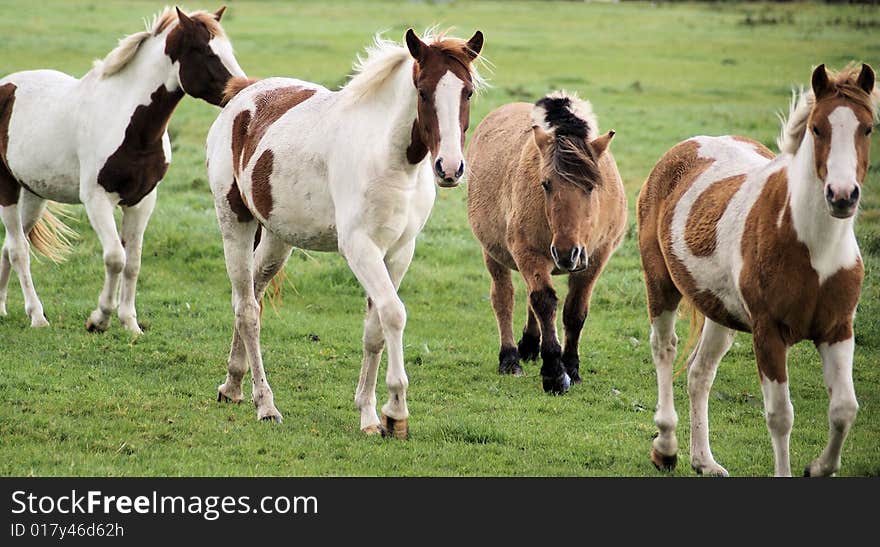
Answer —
544 198
762 244
352 171
102 141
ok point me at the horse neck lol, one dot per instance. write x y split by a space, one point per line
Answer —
393 107
822 233
139 83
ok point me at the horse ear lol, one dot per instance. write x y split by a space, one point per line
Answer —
600 144
475 44
184 19
866 79
543 139
821 85
219 13
415 45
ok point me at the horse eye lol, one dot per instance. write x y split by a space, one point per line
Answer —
546 185
469 95
423 95
869 130
816 130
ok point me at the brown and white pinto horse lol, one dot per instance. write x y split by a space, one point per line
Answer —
544 198
102 141
351 171
766 245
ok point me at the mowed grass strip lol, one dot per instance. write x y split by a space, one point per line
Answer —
74 403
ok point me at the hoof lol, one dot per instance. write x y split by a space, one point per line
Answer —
225 394
508 362
662 462
39 322
529 347
710 470
222 398
372 430
399 429
572 366
272 418
95 327
557 386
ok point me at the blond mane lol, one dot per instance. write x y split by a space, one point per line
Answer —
383 57
128 47
802 101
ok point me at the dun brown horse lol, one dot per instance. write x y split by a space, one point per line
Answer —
763 244
544 198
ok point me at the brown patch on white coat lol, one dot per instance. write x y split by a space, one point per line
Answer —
790 287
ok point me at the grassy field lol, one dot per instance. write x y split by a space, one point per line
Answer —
73 403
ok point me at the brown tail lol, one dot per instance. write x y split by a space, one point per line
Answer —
697 320
235 85
50 236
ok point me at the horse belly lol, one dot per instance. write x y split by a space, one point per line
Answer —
303 214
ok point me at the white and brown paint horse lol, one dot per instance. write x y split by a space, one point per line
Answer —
102 140
761 244
544 198
351 171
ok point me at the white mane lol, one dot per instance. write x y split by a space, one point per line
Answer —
117 59
383 57
794 127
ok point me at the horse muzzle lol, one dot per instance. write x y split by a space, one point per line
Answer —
446 178
573 261
842 206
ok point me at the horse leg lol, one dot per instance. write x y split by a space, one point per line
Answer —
397 264
134 222
529 346
367 262
30 208
15 255
543 303
576 309
713 345
770 353
502 295
100 212
238 248
837 363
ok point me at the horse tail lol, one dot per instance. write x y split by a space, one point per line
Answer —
50 236
235 85
697 320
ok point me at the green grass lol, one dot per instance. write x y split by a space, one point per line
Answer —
73 403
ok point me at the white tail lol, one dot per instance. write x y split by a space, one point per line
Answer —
50 236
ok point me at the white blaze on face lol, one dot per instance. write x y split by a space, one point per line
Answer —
842 162
447 102
223 49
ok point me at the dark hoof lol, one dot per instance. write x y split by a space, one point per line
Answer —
663 462
276 419
557 386
807 471
529 347
572 366
508 362
91 327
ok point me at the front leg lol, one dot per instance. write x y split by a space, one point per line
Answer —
535 270
134 223
99 208
577 307
367 262
770 353
837 363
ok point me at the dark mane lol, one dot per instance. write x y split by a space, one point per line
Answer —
572 158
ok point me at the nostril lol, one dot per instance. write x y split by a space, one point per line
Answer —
554 254
460 170
438 166
829 194
855 195
575 254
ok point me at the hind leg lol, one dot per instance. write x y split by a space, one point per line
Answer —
134 223
713 345
15 255
502 295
